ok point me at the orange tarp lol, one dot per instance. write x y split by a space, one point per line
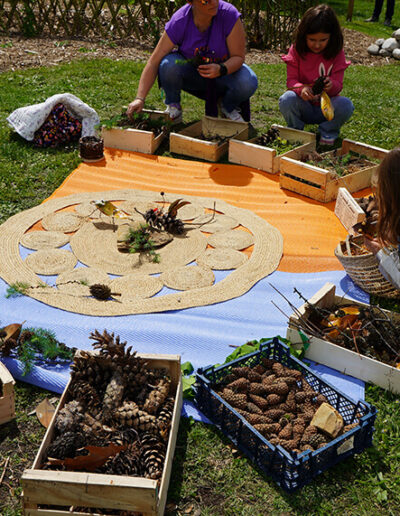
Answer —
310 229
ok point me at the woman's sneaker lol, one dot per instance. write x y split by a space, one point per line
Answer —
174 112
327 141
233 115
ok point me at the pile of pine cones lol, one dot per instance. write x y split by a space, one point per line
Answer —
278 402
115 398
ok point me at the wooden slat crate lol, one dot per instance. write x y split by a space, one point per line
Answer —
318 184
341 359
265 158
61 491
136 140
348 210
7 396
187 142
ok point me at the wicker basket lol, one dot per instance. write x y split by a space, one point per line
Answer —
364 271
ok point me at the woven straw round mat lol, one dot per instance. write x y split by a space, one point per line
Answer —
215 235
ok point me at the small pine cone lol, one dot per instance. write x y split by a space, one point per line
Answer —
316 440
305 447
66 445
113 394
320 400
274 399
267 362
239 385
281 388
241 371
255 419
259 401
290 402
268 380
164 417
307 387
347 428
283 421
259 369
300 397
253 376
229 378
152 455
308 433
274 441
274 414
157 396
298 429
236 400
278 369
253 408
266 430
100 291
308 411
256 388
286 432
290 445
289 380
294 373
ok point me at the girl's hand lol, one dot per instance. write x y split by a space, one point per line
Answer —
372 244
209 71
135 106
327 84
307 94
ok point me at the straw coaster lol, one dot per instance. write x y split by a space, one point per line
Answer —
87 275
188 278
190 211
87 209
234 239
218 223
95 245
51 261
142 206
264 259
136 286
64 221
44 239
222 259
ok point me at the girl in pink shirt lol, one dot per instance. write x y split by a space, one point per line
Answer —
318 50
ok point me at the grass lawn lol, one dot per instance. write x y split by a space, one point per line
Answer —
208 477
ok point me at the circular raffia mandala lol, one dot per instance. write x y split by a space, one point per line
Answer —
93 241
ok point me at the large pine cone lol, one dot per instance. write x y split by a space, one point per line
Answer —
66 445
152 454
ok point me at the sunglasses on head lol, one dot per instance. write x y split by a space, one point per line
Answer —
205 2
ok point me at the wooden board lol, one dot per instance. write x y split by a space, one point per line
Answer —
341 359
348 211
134 140
188 142
65 489
308 180
7 395
265 158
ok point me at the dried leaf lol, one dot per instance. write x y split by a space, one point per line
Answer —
45 411
96 457
12 331
350 310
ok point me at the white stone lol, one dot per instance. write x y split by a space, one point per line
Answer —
380 42
396 34
390 44
373 50
396 53
385 53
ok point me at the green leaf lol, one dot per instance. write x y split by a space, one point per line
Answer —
187 384
187 368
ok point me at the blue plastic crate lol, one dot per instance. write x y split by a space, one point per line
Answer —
289 469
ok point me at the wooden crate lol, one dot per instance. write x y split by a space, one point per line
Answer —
136 140
187 142
265 158
341 359
7 396
348 211
63 490
318 184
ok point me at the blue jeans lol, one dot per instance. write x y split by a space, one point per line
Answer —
174 77
298 112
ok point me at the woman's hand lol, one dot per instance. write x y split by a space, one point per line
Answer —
135 106
327 84
209 71
307 94
372 244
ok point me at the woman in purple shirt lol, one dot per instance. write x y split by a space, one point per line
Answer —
206 31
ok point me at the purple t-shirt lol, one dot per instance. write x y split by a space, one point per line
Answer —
212 43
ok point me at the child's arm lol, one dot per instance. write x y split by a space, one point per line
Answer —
336 76
292 69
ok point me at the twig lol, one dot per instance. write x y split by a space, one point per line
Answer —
4 470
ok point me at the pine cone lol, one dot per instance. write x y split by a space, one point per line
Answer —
256 388
278 369
253 408
267 429
286 432
255 419
241 371
259 369
262 403
100 291
152 455
267 362
274 413
157 396
289 380
130 415
69 417
165 414
87 396
253 376
274 399
113 395
316 440
300 396
309 432
66 445
126 462
268 380
236 400
347 428
239 385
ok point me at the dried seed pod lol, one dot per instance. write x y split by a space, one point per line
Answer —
267 429
239 385
286 432
262 403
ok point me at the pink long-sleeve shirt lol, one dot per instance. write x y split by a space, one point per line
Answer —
305 70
